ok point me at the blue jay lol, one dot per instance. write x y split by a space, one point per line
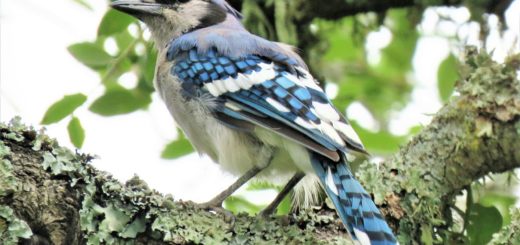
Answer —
252 106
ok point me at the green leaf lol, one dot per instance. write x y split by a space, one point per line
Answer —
262 185
90 54
483 223
342 46
396 58
380 142
63 108
502 202
447 76
176 149
285 206
120 101
76 132
124 41
237 204
114 22
149 66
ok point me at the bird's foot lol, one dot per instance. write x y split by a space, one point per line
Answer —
216 207
267 212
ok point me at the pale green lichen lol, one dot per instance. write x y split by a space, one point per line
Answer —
11 228
495 84
7 179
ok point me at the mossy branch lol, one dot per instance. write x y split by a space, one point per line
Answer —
477 133
50 195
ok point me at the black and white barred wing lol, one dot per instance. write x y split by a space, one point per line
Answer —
282 98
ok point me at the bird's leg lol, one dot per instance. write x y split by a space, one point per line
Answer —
215 204
271 208
219 199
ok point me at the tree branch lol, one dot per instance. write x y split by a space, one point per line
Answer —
49 195
477 133
336 9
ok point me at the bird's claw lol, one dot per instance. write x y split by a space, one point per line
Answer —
267 212
217 208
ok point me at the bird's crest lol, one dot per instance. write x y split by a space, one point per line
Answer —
228 8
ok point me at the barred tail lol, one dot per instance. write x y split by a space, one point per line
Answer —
355 207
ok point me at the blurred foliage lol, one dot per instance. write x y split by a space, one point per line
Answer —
383 87
239 204
177 148
447 75
483 222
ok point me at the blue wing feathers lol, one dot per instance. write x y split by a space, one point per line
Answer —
286 118
193 69
353 204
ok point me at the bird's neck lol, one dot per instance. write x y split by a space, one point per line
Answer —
164 35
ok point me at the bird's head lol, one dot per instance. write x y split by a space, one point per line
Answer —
168 19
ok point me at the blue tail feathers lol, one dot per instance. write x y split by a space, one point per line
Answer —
355 207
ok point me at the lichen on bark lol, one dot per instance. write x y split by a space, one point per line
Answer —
51 195
475 134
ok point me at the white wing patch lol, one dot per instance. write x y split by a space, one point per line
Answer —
213 90
242 81
362 237
329 181
325 112
304 123
307 81
328 130
277 105
348 131
220 86
266 73
231 85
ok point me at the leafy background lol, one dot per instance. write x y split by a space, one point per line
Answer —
376 68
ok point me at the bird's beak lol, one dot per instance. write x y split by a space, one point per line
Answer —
137 8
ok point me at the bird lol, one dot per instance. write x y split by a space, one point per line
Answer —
252 106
